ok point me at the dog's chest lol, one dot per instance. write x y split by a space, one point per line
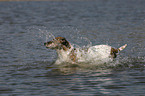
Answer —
63 56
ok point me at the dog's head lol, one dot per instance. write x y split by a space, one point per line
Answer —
58 43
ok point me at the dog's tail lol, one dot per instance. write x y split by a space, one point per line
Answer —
122 47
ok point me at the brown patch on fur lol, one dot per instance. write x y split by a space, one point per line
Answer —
64 42
114 52
73 55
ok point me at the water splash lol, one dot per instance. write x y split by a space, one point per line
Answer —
41 33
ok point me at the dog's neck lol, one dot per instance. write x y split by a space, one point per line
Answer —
65 48
65 53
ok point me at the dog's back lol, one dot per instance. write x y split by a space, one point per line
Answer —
95 54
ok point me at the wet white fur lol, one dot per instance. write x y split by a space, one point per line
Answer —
97 54
63 56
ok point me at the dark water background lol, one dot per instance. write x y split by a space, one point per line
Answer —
25 64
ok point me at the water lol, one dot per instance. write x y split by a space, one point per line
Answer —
26 66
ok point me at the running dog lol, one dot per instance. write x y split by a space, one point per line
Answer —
67 53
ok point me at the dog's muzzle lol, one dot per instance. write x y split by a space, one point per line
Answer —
50 45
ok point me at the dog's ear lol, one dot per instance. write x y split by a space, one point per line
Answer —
65 42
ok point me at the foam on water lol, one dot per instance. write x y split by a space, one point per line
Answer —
117 64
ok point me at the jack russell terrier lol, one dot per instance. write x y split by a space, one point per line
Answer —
67 53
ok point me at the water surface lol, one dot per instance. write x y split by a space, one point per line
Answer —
26 66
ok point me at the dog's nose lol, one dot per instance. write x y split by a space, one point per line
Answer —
44 43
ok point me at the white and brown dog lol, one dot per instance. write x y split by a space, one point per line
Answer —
67 53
